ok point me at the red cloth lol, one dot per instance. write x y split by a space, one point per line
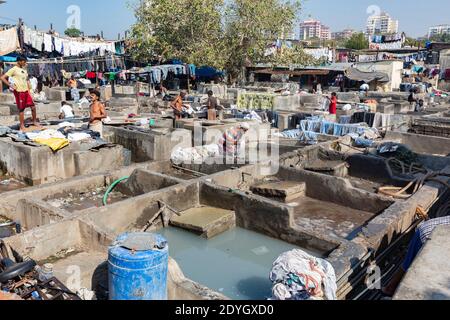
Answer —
23 100
90 75
447 74
333 105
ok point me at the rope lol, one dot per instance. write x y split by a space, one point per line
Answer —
422 214
416 184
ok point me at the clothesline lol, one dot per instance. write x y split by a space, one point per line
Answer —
75 60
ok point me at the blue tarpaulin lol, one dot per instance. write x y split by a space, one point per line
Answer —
8 59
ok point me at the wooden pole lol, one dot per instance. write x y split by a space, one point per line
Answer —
20 33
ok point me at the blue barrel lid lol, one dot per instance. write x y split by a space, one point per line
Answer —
141 241
146 249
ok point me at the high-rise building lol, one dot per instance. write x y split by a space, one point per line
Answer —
325 33
381 24
314 29
343 35
438 30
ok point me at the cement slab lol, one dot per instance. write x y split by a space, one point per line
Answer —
85 263
207 221
329 218
283 189
429 276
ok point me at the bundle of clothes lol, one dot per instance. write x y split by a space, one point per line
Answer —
196 155
310 128
297 275
262 116
308 137
55 139
372 119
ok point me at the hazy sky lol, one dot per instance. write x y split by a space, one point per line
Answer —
114 16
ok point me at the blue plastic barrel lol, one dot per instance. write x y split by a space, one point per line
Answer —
138 264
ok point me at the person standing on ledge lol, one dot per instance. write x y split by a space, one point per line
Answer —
21 89
333 103
212 105
177 105
74 92
98 113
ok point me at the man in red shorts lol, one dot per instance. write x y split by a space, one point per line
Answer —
21 89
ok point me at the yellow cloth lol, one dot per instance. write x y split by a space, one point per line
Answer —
20 77
54 143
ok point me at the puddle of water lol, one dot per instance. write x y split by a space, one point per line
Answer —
236 263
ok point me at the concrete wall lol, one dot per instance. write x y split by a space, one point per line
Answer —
335 190
149 146
39 165
393 68
135 213
33 213
143 181
265 216
421 143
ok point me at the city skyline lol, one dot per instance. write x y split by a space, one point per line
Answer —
113 17
411 21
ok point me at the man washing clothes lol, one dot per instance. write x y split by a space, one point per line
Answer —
21 89
177 105
97 114
232 138
213 106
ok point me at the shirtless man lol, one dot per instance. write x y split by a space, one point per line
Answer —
98 113
177 105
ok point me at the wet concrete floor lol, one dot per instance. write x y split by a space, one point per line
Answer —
86 200
328 217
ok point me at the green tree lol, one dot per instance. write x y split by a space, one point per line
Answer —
251 26
412 42
445 37
293 56
358 41
226 34
190 30
72 32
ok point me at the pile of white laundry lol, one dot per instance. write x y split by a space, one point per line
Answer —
197 155
45 134
297 275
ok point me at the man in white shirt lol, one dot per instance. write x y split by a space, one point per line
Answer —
66 111
364 88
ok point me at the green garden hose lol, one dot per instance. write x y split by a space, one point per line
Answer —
111 188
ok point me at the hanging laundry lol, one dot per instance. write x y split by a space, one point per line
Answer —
9 41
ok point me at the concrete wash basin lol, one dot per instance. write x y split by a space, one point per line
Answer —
79 259
365 172
326 207
207 236
39 165
80 251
